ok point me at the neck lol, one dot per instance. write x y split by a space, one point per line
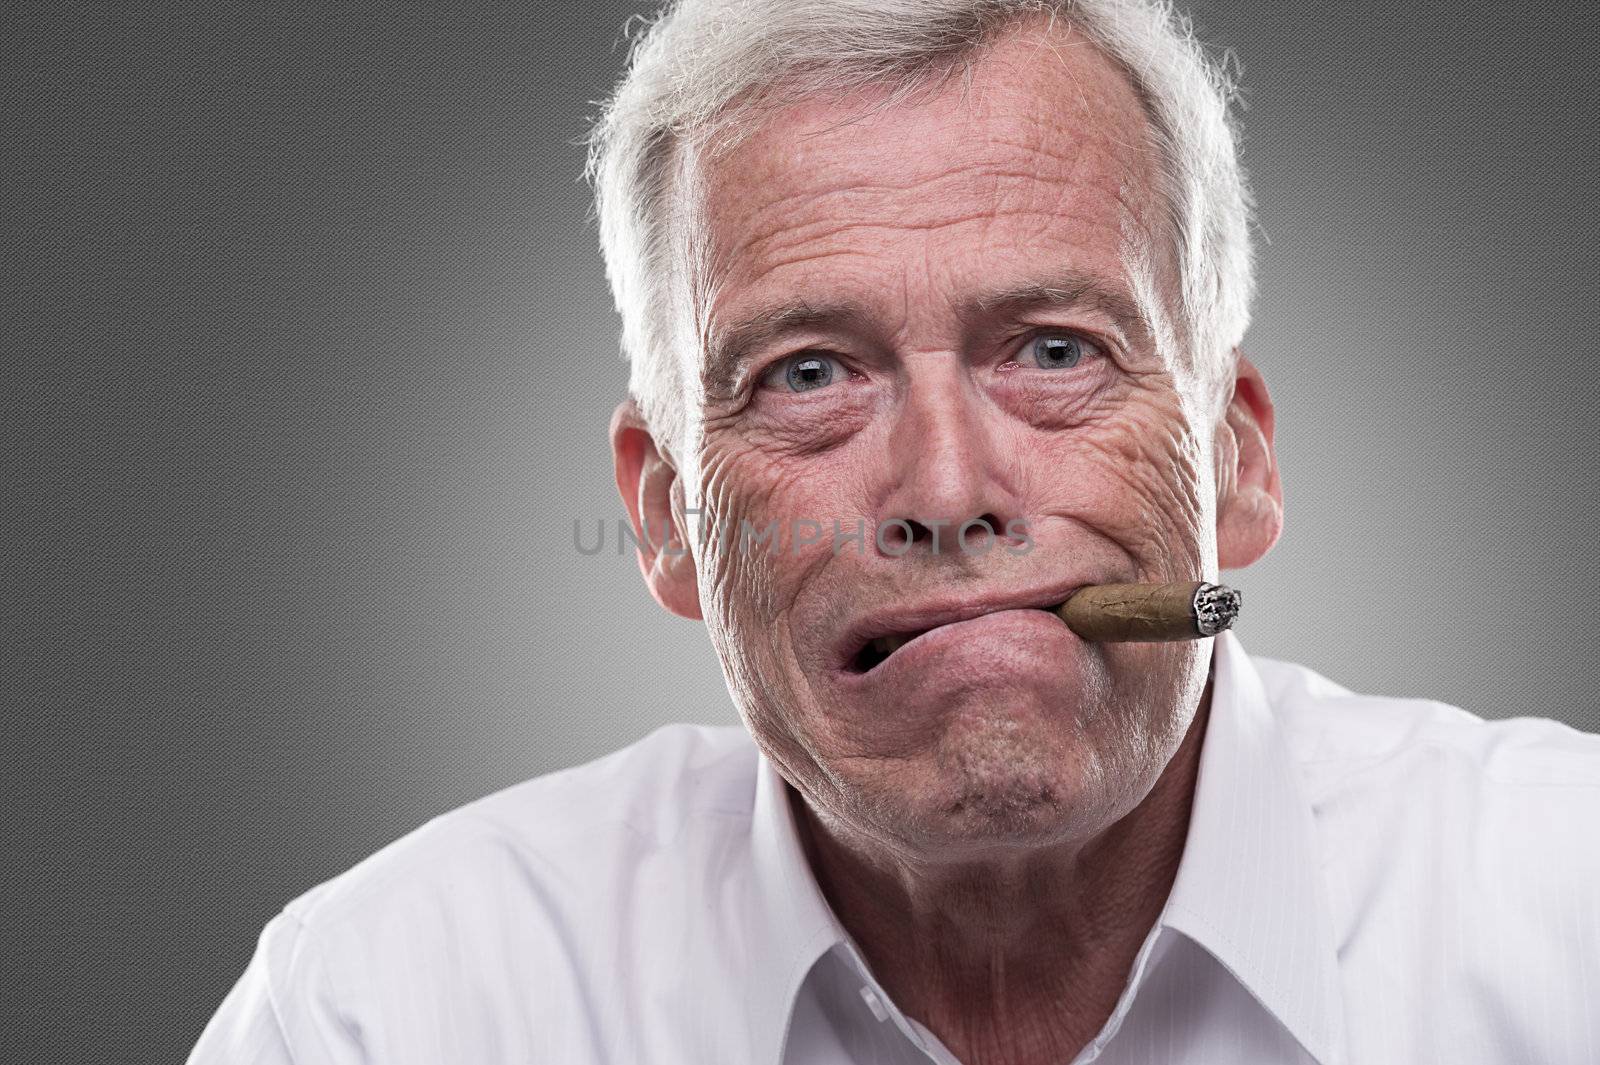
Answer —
1019 959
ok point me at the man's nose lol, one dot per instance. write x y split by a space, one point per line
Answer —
954 481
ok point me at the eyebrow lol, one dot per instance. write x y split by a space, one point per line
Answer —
728 351
1073 290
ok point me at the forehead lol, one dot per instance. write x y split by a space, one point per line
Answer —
1038 160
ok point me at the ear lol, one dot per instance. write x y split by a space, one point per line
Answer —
1249 495
648 483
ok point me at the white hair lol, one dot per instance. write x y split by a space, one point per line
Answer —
701 69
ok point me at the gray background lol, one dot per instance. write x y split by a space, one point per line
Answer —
308 361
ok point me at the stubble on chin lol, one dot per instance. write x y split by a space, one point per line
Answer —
991 779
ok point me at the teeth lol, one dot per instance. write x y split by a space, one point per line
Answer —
888 645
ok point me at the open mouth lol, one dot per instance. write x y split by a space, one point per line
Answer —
876 651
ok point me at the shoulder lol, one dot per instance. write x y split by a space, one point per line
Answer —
1446 835
1337 735
1461 863
581 825
517 912
1419 794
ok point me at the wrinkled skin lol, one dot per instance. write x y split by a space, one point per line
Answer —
997 810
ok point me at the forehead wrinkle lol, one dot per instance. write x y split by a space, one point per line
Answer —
794 244
798 249
1001 178
988 146
1008 187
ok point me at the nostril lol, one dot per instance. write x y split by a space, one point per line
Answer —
899 535
983 527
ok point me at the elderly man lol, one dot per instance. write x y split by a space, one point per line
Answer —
941 301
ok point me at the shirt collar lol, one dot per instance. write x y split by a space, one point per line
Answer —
1248 888
792 924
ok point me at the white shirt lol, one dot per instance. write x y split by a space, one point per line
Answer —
1365 880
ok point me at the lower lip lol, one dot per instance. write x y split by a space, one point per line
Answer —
984 638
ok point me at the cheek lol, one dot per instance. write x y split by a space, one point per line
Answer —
734 502
1143 719
790 427
1135 473
1158 458
768 523
785 456
1065 404
793 459
748 588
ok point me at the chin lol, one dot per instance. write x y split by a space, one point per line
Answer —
999 780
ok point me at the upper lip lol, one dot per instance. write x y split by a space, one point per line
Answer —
919 617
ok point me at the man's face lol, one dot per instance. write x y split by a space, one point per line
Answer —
935 313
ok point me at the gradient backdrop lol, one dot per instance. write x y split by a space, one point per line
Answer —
308 359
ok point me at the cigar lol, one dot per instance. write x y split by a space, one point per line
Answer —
1116 613
1122 613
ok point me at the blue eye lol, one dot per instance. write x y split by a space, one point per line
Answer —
803 373
1055 351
